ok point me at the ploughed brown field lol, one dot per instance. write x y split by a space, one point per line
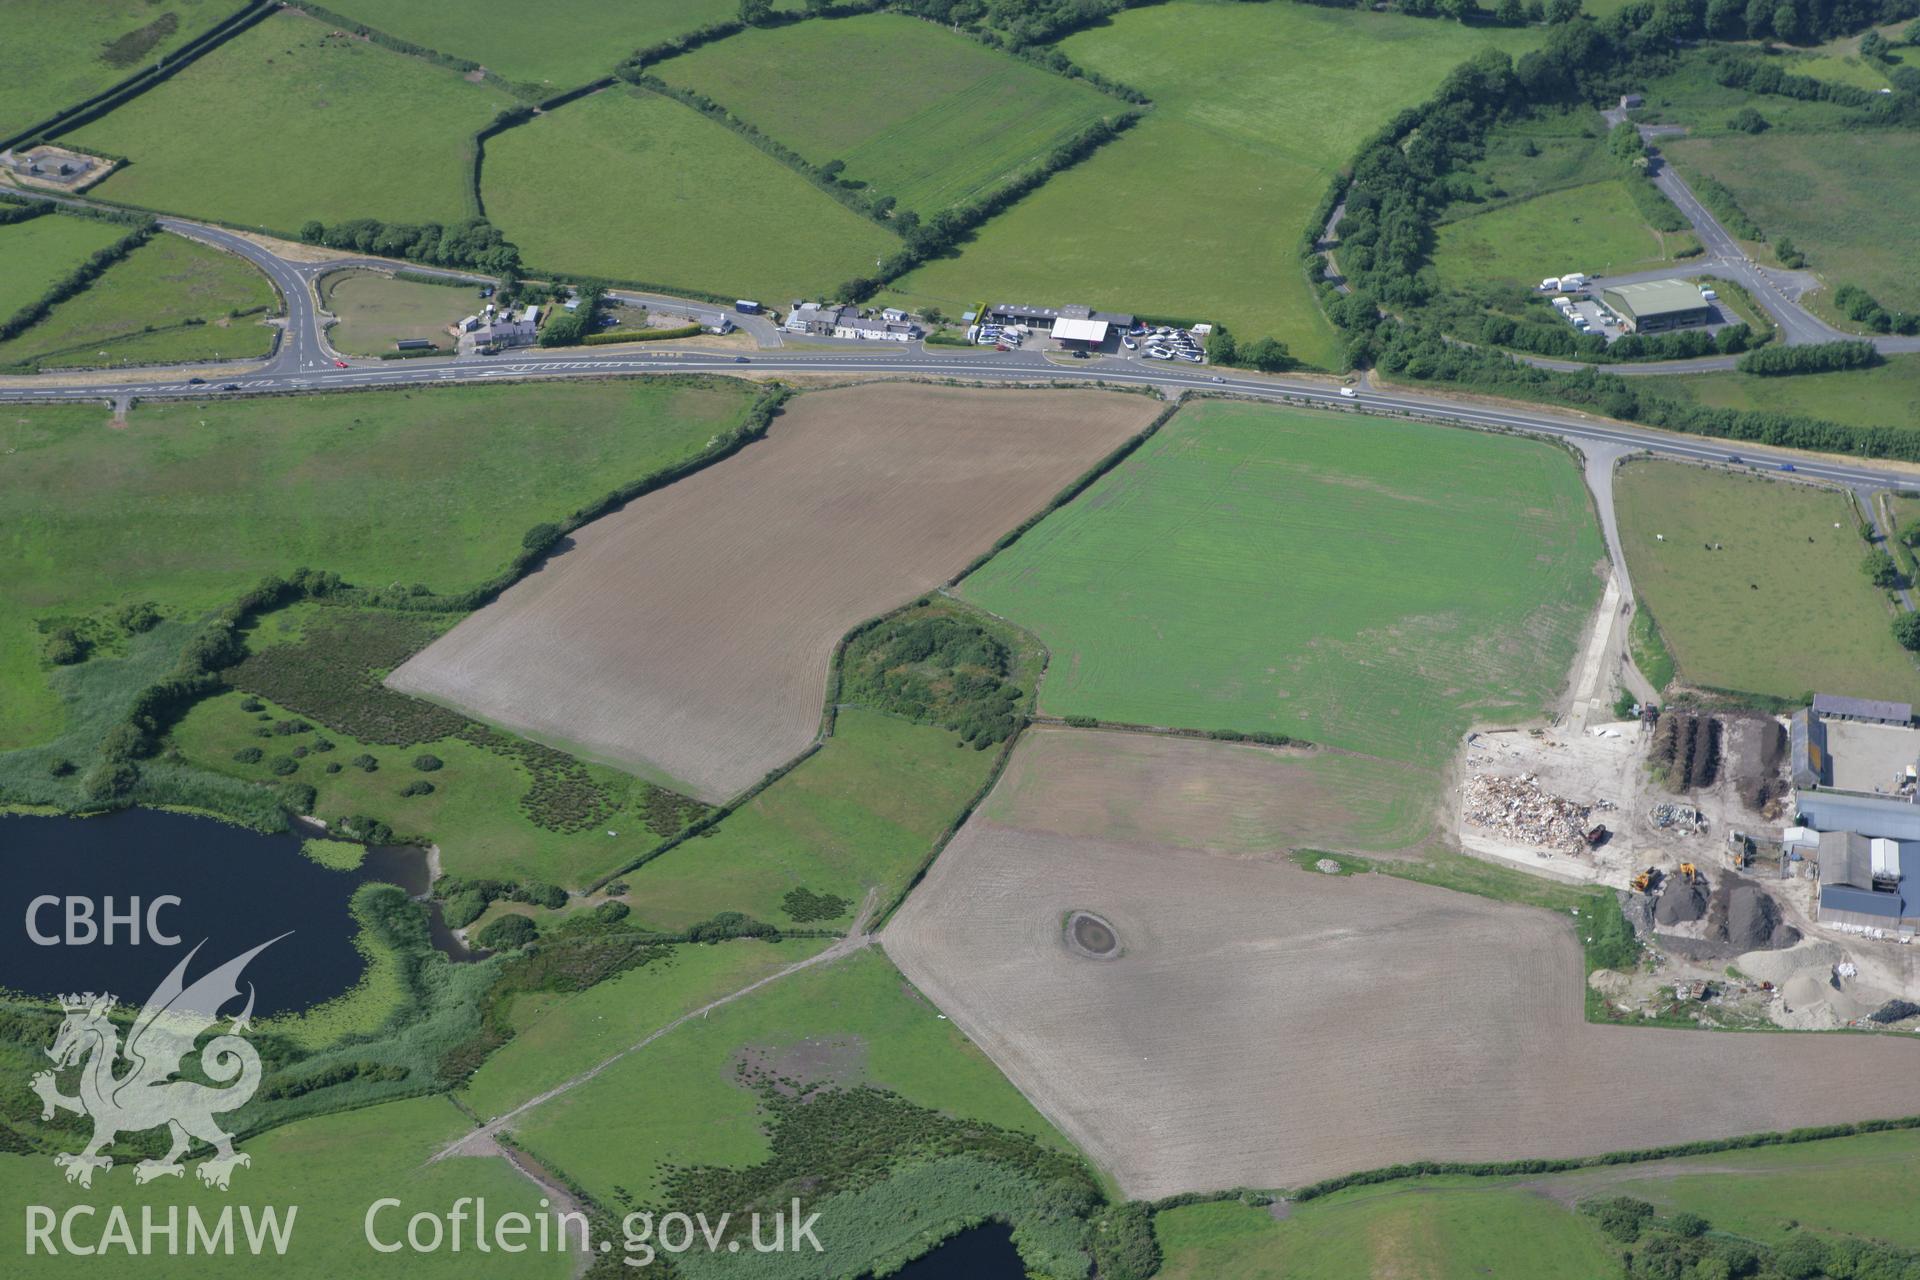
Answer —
688 636
1266 1026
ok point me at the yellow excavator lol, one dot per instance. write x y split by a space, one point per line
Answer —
1689 872
1645 880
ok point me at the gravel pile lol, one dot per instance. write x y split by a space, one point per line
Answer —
1683 818
1517 809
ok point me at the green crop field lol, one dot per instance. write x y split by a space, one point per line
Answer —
38 253
377 311
916 112
193 502
1887 395
332 1168
863 812
677 200
289 121
1592 228
1198 210
1835 194
558 1035
1779 606
1348 580
679 1102
1448 1227
556 45
168 301
60 53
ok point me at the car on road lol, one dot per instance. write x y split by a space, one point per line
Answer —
1349 393
741 360
1788 466
1218 378
1736 459
229 386
339 364
195 382
1079 355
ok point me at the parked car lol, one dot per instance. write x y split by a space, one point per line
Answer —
1000 346
1129 344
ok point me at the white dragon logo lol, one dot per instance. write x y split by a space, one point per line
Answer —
149 1095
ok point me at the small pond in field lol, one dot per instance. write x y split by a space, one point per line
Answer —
984 1252
63 881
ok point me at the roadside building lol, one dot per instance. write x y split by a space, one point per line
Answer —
817 320
502 332
1657 305
1074 325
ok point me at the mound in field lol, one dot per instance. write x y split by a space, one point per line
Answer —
1266 1026
689 635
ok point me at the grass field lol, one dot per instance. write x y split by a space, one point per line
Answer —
678 1102
1839 61
1347 580
555 45
678 200
557 1035
1460 1227
170 300
1523 242
1547 151
861 813
1783 609
918 113
377 311
192 502
289 121
1887 395
38 253
59 53
1833 193
333 1168
1691 95
1256 106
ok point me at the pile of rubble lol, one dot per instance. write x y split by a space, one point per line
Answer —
1682 819
1516 809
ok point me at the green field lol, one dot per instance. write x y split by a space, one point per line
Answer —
168 301
1783 609
1839 61
1691 95
558 1035
38 253
1198 211
332 1169
290 121
377 311
556 45
60 53
1542 152
1348 580
1835 194
1887 395
677 200
863 812
916 112
1450 1227
1595 226
192 502
679 1102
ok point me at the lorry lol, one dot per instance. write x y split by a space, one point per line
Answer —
746 306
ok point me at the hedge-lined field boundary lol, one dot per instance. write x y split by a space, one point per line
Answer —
82 276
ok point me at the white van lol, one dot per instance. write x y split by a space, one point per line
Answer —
1550 284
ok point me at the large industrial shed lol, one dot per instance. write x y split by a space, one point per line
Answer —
1659 304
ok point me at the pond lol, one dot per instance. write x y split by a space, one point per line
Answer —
984 1252
236 889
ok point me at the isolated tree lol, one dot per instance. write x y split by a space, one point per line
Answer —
1266 355
1906 629
1873 45
1221 348
1880 568
1747 120
756 12
508 932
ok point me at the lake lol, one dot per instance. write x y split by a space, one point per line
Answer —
236 888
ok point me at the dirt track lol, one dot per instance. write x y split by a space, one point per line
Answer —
688 636
1267 1026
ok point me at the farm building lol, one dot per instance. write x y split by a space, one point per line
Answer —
1658 304
1832 707
1854 744
1862 880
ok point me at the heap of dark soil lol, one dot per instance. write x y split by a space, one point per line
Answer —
1894 1011
1746 918
1686 749
1680 902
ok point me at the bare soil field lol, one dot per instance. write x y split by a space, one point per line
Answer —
1262 1025
688 636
